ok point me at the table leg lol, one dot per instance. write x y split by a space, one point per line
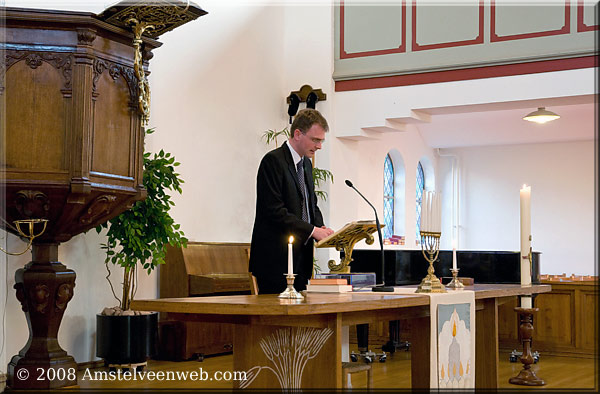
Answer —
420 352
486 345
288 357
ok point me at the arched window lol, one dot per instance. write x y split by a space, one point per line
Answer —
420 189
388 197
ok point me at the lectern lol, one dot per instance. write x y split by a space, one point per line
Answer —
70 96
344 239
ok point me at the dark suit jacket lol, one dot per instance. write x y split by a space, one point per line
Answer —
278 215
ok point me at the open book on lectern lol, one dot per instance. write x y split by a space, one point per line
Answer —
344 239
351 231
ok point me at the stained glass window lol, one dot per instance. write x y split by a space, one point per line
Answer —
420 189
388 197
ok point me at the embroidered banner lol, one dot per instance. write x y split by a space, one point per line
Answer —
452 358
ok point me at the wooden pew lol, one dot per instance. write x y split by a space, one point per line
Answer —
201 269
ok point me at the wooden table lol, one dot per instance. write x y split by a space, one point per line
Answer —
292 344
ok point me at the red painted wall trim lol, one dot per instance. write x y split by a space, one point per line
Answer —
417 47
346 55
581 26
566 29
467 74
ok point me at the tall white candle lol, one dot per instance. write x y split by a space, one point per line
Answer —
454 266
525 195
290 256
424 211
438 210
429 212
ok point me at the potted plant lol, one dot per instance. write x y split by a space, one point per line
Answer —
137 238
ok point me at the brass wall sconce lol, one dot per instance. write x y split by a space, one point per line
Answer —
30 229
307 95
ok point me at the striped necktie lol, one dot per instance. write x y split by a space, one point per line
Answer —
300 173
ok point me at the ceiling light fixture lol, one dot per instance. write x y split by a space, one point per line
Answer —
541 116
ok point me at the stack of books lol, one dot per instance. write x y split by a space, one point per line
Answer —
328 285
357 280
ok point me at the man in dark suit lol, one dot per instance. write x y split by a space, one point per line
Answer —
286 205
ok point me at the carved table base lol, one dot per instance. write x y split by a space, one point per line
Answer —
44 288
527 376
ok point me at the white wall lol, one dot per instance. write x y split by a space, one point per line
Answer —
561 176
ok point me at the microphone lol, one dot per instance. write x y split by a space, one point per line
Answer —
382 287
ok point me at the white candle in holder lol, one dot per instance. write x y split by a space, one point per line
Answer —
290 256
525 198
454 265
525 195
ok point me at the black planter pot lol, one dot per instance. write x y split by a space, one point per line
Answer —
126 339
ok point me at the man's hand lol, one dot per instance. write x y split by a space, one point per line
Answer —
322 232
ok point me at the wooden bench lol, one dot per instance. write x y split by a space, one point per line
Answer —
201 269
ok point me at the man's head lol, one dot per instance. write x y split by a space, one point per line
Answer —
308 132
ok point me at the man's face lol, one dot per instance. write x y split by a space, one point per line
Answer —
310 142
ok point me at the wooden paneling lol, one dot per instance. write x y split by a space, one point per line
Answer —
555 321
589 319
564 325
112 135
34 106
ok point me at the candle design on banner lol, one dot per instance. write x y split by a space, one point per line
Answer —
290 256
525 196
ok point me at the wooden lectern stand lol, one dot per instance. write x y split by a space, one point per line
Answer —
344 240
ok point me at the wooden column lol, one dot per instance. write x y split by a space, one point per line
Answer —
44 288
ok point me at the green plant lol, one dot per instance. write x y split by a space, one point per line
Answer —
140 235
319 174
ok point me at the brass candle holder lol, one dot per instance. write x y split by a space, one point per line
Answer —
430 247
290 291
30 235
455 283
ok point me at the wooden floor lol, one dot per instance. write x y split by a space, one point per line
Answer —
558 372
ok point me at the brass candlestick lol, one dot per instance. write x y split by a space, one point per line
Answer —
527 376
430 247
290 292
455 283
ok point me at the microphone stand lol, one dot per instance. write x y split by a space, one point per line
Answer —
383 287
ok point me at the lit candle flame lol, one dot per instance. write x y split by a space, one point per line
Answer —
291 239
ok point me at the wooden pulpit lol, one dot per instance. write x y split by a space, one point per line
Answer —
74 141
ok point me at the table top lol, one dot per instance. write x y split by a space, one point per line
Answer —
316 303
